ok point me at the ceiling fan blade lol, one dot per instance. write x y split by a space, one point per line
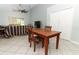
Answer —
20 10
24 11
17 10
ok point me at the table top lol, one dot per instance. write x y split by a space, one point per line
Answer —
45 32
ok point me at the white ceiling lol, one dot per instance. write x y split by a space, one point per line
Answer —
26 6
9 7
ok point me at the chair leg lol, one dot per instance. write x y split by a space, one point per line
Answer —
34 46
30 43
28 39
42 43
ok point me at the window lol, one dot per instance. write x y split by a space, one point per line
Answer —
16 21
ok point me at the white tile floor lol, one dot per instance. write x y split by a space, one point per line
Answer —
19 45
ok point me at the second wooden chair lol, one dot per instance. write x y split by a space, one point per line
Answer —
32 38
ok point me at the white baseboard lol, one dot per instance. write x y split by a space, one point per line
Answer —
77 43
74 42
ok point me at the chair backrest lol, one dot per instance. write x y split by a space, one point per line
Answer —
31 34
49 28
30 29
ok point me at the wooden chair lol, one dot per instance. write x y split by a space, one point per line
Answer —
30 27
28 31
49 28
32 38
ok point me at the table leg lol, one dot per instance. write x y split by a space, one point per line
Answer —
29 36
57 41
46 46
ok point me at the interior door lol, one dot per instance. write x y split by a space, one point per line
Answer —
62 21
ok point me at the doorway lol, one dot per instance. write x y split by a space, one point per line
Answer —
62 21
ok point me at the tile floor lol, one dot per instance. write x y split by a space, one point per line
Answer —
19 45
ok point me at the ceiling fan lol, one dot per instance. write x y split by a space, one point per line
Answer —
20 9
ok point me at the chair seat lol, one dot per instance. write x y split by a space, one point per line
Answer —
35 35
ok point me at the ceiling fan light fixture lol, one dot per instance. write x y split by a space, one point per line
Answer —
21 9
24 11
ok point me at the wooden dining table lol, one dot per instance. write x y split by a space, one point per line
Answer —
45 34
